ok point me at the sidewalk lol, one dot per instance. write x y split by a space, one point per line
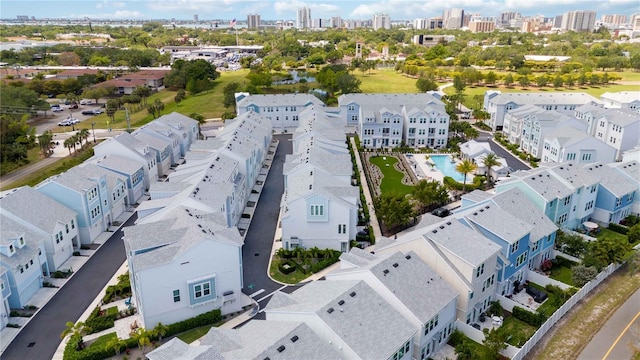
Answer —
373 220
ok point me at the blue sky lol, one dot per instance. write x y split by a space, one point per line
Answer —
286 9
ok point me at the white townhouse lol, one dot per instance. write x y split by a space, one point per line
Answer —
464 258
43 215
188 129
283 110
257 339
5 292
513 121
97 195
185 264
568 144
319 129
389 120
348 315
412 288
498 104
127 146
587 114
160 150
622 100
630 170
619 128
133 172
22 256
165 133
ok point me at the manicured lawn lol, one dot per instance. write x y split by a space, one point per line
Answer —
386 81
192 335
112 310
392 178
562 273
608 234
292 278
98 342
519 331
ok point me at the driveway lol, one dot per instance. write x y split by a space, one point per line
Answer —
40 338
259 239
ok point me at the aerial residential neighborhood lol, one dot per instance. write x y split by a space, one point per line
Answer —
320 181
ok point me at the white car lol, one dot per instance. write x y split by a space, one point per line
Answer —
56 109
86 102
65 122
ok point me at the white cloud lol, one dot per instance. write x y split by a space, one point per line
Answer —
106 4
119 14
317 9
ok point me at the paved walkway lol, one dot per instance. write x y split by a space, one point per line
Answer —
373 220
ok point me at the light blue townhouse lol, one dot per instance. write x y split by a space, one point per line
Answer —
5 292
616 194
507 231
22 255
97 195
127 146
164 133
132 171
282 110
631 170
42 214
188 129
160 148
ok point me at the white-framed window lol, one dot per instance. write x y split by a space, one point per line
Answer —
176 295
73 225
480 270
317 210
202 289
521 259
515 246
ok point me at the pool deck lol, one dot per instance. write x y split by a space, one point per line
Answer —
424 171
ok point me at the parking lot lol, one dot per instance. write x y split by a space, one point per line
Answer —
51 120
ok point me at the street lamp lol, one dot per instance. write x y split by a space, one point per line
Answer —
93 131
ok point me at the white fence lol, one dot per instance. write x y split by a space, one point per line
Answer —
545 280
526 348
557 253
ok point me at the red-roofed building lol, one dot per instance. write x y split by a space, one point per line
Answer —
153 78
123 86
75 73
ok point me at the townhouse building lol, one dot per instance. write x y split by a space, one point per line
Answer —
23 262
615 196
568 144
97 195
630 170
166 135
498 104
186 128
282 110
5 292
587 114
198 258
622 100
618 128
464 258
132 171
350 316
258 339
56 223
389 120
160 149
131 148
412 288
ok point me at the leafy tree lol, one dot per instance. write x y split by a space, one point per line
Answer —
466 167
260 78
634 234
508 79
495 340
583 274
557 81
160 330
76 331
524 80
426 84
491 78
542 80
606 251
95 93
229 91
465 351
573 245
200 73
458 84
347 83
143 92
143 338
429 193
393 209
179 96
489 161
116 344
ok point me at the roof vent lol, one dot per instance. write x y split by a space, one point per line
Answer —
395 265
475 213
294 338
330 310
486 207
281 348
204 231
408 257
448 222
434 231
385 271
341 302
352 294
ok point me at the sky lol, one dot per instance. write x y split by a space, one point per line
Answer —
286 9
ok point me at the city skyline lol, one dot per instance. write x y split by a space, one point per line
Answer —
286 10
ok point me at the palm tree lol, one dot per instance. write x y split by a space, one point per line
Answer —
69 143
116 344
45 142
466 167
490 161
75 331
84 135
142 336
160 330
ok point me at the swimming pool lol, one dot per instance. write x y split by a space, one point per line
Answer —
448 168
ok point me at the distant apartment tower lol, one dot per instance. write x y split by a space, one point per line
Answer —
579 20
453 18
336 22
635 21
614 19
22 17
506 17
436 23
381 21
195 17
477 26
253 21
303 21
420 24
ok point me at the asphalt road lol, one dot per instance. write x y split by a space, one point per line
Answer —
259 239
40 338
614 340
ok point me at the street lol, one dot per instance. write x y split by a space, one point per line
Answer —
40 338
615 339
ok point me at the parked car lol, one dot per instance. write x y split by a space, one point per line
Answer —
86 102
537 294
56 108
65 122
441 212
73 120
92 112
73 106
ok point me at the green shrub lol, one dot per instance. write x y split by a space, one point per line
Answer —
620 229
207 318
286 267
99 323
533 319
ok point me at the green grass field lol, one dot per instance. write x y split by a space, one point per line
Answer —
386 81
518 331
102 340
192 335
606 233
562 274
392 178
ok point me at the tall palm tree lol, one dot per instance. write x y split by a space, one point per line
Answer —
69 143
76 330
84 135
490 161
466 167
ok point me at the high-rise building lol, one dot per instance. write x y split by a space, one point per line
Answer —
478 25
303 20
336 22
635 21
614 19
381 21
579 20
453 18
253 21
436 23
195 17
420 24
505 17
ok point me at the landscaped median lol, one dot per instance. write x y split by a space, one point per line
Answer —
293 266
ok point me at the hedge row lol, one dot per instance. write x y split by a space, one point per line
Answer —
286 270
621 229
533 319
478 180
97 323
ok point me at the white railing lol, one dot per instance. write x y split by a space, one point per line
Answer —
539 279
558 314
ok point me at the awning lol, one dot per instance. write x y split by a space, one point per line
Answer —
590 225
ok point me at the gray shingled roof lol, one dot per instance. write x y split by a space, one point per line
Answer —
278 100
468 245
9 231
631 168
621 117
618 184
499 222
476 195
176 120
622 96
515 202
540 98
378 101
176 349
36 208
544 183
119 163
365 321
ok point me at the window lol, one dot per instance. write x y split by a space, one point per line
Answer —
2 286
515 246
57 238
562 219
350 108
480 270
202 289
342 228
66 227
176 295
429 325
521 259
317 210
567 200
21 241
73 225
588 205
